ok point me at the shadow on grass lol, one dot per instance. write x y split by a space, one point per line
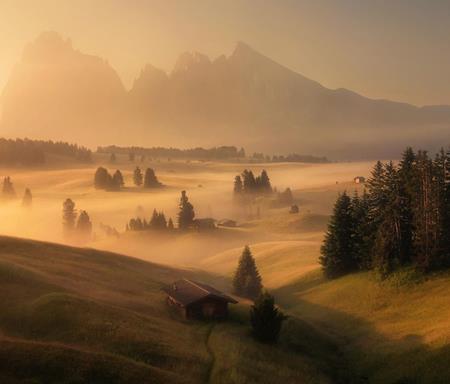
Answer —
361 353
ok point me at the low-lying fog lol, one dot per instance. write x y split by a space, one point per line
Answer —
209 186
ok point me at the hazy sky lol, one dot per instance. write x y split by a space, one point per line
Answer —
395 49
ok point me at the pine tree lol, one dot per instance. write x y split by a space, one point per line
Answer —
266 319
424 212
150 180
265 182
249 181
137 177
361 231
186 213
69 216
337 251
101 178
117 180
8 190
246 280
237 185
84 225
388 240
170 225
27 198
407 193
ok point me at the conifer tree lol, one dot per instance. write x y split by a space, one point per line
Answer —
265 182
266 319
117 180
101 178
407 193
150 180
8 190
387 247
170 225
247 280
27 198
84 225
137 177
361 230
337 252
69 216
238 185
186 213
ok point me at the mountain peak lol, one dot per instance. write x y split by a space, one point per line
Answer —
47 44
189 60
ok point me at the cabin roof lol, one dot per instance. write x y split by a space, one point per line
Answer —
187 292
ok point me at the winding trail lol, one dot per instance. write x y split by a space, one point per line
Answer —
209 372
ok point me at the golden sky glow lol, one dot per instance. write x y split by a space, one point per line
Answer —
383 49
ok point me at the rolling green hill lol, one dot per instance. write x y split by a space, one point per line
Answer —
71 315
395 331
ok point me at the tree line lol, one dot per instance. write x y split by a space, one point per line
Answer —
402 219
185 218
247 183
215 153
33 152
114 182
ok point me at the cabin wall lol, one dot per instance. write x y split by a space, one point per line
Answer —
207 309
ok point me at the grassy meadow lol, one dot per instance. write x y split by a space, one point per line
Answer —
94 316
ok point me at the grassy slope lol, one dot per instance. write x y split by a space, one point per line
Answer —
70 315
390 332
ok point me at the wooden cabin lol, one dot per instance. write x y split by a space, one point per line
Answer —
195 300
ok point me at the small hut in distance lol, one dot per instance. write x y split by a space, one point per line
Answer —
195 300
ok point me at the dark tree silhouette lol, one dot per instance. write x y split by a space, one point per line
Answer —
337 256
69 216
84 225
150 179
101 178
246 280
238 187
8 190
266 319
137 177
27 198
117 180
186 213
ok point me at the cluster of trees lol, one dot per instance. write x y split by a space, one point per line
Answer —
9 192
75 225
104 180
33 152
291 158
216 153
265 318
247 183
157 222
403 219
186 216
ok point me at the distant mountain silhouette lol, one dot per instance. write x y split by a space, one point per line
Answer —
57 92
244 99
